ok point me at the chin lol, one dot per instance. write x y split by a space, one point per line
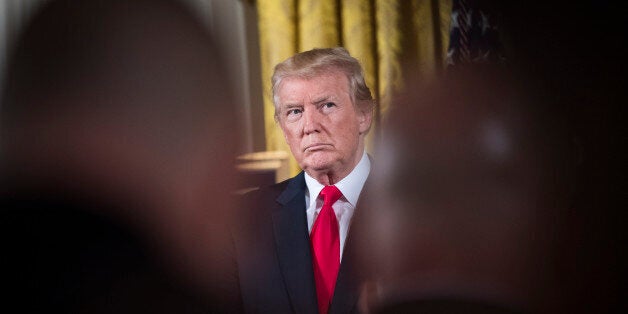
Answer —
321 161
319 165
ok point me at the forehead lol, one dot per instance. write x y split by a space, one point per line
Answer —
329 84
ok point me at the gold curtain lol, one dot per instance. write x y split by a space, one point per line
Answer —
393 39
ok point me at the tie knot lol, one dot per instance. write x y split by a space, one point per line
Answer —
330 194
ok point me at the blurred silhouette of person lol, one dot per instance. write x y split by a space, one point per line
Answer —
466 190
116 125
498 191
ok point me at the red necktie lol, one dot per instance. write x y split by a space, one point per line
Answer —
326 249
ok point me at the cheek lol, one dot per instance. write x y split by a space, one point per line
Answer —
288 132
291 138
348 131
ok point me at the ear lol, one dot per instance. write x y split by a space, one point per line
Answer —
365 117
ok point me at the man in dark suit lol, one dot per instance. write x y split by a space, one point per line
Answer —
292 241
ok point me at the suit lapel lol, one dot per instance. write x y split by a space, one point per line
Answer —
293 246
352 272
347 289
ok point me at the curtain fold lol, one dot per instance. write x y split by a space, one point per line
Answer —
359 38
278 41
393 39
318 24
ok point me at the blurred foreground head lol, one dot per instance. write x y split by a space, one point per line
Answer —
124 104
463 184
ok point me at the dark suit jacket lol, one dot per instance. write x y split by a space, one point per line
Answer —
274 258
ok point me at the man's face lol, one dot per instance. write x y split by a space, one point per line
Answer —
323 128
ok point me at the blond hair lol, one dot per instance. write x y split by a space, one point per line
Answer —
315 62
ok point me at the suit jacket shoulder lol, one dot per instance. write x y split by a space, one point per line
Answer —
273 250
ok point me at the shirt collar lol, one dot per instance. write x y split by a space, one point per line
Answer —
350 186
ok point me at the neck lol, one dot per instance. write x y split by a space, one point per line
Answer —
327 178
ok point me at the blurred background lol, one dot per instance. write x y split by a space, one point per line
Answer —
232 23
394 40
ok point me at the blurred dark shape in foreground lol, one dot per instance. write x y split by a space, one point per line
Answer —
476 190
465 189
501 187
116 126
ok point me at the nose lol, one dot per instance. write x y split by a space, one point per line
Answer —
311 122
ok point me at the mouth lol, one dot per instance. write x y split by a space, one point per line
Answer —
315 147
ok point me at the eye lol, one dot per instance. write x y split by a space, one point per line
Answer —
328 107
293 114
294 111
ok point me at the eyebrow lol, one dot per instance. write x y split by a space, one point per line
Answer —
315 101
290 105
322 99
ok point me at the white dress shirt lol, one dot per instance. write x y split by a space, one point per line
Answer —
350 186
